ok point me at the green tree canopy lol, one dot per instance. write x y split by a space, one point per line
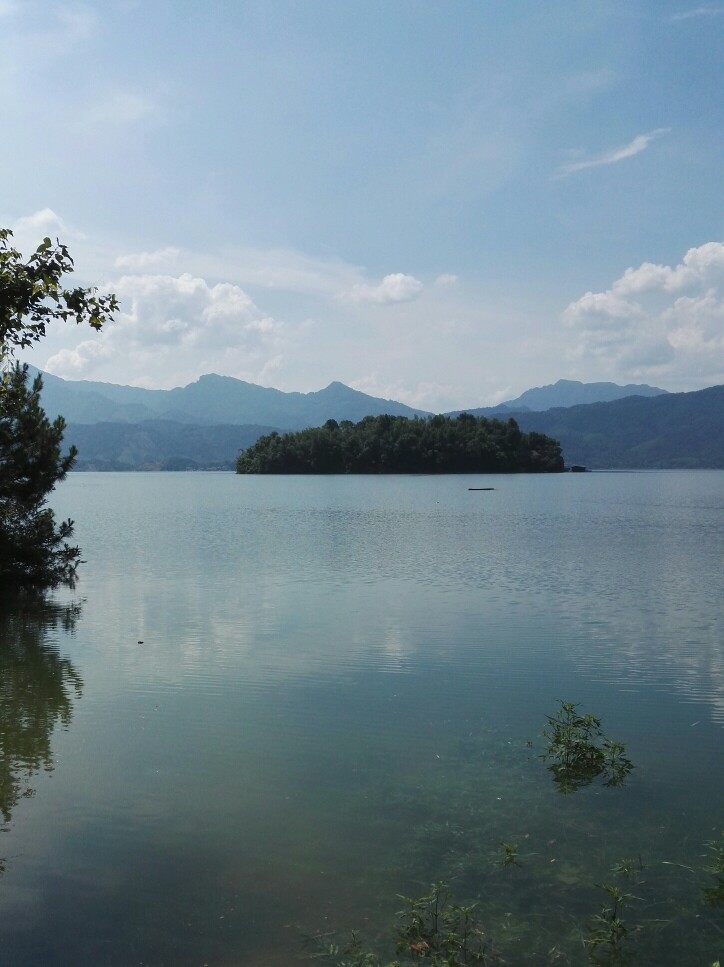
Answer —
34 551
32 295
396 444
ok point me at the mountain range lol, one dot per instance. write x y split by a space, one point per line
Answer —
567 392
205 424
683 431
211 400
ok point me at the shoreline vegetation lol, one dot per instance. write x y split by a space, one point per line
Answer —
397 444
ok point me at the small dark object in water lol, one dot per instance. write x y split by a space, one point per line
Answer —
576 469
481 488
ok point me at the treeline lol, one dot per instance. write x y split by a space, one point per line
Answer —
396 444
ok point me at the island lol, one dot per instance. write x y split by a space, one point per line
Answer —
397 444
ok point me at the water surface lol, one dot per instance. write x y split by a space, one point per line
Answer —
284 700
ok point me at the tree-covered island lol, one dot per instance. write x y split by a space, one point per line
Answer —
396 444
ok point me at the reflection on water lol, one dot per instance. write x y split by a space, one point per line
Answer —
305 696
37 690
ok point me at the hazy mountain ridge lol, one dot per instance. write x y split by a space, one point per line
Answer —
670 431
207 422
675 430
159 445
567 392
212 400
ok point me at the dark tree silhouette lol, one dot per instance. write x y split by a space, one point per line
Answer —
34 551
395 444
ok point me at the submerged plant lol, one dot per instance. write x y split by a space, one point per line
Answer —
432 928
607 931
616 765
715 894
581 751
508 854
628 867
435 927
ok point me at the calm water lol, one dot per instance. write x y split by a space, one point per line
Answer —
280 702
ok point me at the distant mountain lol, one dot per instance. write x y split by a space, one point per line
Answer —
216 399
212 400
571 392
671 431
82 403
159 445
568 392
207 422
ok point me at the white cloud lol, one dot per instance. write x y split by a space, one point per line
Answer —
161 258
393 288
430 396
118 108
185 312
279 269
698 12
78 21
283 270
656 320
173 328
447 278
49 28
30 230
639 144
41 223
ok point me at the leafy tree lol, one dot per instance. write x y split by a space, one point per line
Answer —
34 551
395 444
32 295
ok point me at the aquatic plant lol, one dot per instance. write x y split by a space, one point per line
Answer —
509 854
714 894
581 751
432 928
607 931
535 883
628 867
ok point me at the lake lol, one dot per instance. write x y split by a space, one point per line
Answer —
272 704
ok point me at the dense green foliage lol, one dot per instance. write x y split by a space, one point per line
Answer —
31 294
395 444
33 550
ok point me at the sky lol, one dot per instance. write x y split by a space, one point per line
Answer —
443 202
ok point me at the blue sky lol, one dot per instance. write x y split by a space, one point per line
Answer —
441 202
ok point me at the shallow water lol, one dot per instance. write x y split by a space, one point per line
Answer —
285 700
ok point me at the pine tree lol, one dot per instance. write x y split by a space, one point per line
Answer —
34 550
